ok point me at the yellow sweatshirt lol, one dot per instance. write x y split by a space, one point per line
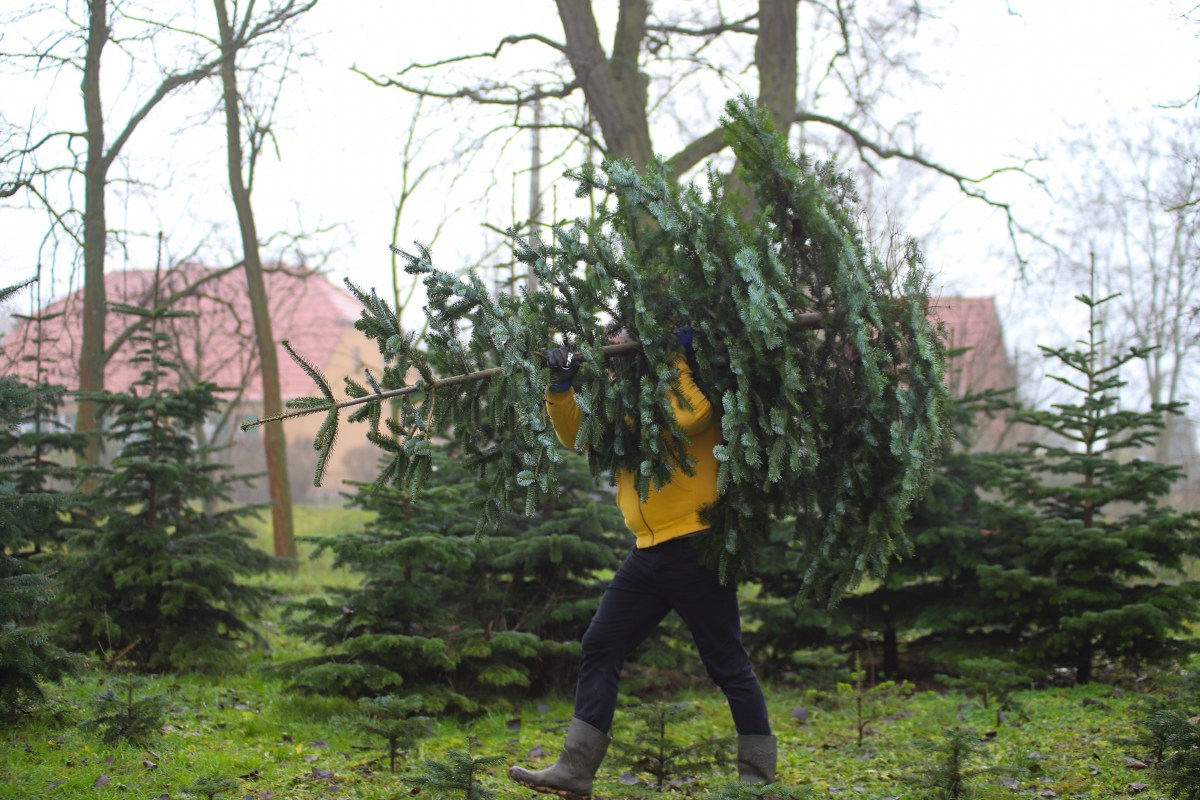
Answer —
673 510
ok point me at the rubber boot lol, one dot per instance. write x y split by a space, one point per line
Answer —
756 758
571 776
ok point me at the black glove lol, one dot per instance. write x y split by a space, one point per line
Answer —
563 366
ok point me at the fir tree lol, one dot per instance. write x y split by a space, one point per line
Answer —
459 777
31 520
453 619
836 429
653 747
154 578
1084 560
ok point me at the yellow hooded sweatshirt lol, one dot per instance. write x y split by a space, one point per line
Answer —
673 510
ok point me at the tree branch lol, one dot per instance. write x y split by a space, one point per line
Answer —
736 26
968 185
696 151
477 94
495 53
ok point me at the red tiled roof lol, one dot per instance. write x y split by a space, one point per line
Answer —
217 345
973 325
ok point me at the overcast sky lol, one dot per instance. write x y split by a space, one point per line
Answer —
1006 79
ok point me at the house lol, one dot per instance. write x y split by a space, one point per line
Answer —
978 361
216 343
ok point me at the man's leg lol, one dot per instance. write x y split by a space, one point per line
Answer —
710 611
630 610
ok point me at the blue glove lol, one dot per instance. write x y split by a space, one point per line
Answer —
563 367
683 338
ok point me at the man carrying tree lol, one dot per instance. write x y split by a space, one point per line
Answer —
662 573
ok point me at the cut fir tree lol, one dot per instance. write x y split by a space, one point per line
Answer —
836 427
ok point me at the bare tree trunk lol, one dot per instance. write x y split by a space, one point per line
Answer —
776 60
616 89
95 232
274 438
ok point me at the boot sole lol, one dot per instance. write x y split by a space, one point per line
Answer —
564 793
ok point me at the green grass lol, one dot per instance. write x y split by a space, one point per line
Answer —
247 727
276 745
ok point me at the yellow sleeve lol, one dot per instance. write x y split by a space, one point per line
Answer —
565 415
701 415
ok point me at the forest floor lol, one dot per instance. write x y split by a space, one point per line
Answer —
269 744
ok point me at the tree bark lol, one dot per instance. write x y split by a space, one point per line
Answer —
274 437
95 232
616 89
776 60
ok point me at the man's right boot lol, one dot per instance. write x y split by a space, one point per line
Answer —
571 776
756 758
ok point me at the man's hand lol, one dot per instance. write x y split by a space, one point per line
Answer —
563 367
684 337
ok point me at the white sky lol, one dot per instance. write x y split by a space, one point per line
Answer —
1006 84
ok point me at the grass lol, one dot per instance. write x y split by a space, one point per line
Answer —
276 745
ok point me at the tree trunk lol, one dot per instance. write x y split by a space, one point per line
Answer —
616 89
274 437
776 60
95 232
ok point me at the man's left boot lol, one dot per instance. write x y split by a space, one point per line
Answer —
756 757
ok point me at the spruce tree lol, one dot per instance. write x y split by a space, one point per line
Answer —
1083 559
819 353
153 578
450 620
32 517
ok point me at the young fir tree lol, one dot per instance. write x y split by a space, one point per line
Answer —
451 618
1083 560
820 354
32 518
154 579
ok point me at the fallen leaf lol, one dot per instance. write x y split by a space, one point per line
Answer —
58 783
100 782
1010 783
513 724
317 743
1048 793
542 708
322 774
1135 788
311 758
1135 763
110 759
537 751
148 764
800 714
267 795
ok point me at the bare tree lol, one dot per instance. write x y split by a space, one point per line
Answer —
1135 211
81 47
672 65
244 148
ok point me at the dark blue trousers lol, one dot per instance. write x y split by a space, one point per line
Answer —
649 584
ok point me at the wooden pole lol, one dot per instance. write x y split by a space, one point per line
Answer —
803 321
